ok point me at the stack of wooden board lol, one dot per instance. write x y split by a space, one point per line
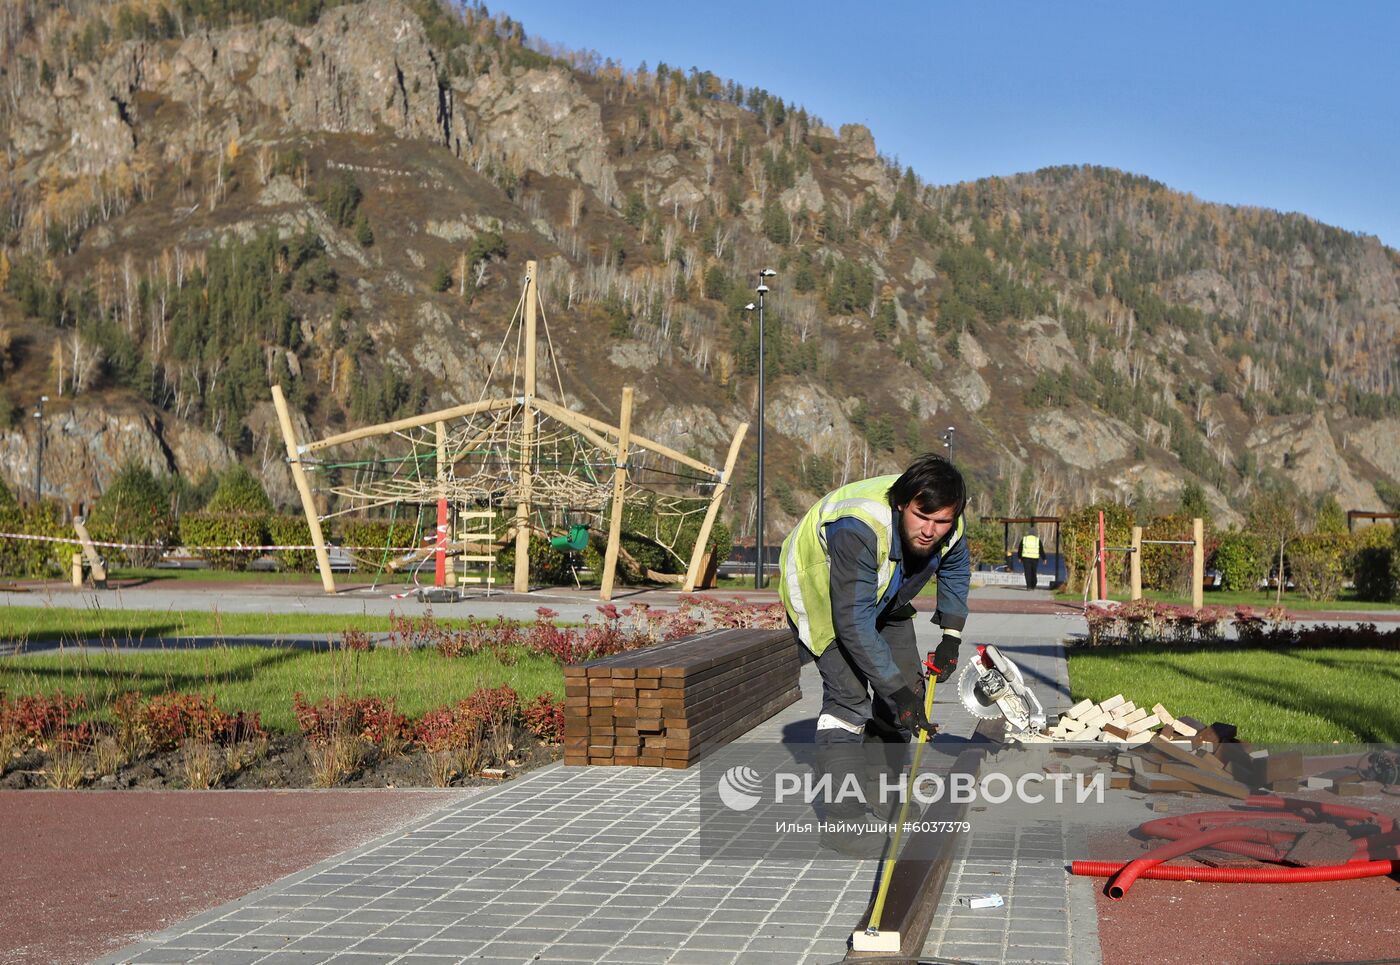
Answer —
1212 761
669 704
1119 721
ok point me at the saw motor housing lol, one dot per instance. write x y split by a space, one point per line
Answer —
991 686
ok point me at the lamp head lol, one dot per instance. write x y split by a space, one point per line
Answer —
761 289
750 307
767 273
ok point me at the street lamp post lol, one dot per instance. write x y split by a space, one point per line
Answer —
759 561
948 442
39 460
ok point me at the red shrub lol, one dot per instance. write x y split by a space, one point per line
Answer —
544 717
449 728
37 717
493 706
369 718
172 718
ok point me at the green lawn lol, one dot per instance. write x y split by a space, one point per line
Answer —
57 623
1290 696
1260 600
265 679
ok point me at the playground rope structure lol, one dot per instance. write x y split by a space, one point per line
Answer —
488 455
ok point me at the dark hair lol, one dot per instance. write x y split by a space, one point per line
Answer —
931 482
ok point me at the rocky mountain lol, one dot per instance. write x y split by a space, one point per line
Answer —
203 196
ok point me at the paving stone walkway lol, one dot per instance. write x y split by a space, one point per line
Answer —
571 864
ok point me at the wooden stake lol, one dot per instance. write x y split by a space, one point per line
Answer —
1135 564
619 487
308 505
692 573
1198 564
527 441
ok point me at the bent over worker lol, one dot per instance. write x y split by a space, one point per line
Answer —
850 570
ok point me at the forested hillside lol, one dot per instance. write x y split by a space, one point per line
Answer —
203 197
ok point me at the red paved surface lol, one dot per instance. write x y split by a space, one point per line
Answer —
1171 922
87 872
1189 922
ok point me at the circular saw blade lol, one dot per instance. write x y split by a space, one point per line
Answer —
971 699
1011 708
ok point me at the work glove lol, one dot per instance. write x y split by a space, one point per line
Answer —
909 709
945 656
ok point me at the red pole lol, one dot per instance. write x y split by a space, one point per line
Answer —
440 576
1103 574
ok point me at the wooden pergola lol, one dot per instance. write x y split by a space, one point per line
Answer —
615 442
1354 514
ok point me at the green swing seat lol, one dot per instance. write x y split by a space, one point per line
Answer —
575 542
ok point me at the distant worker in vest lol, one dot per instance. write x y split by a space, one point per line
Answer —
850 571
1029 552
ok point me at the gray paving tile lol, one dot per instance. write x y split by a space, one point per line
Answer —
227 957
695 956
383 946
617 881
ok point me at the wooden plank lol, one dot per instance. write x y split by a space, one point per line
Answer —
717 723
1155 783
685 652
1206 781
1183 756
743 725
1145 724
919 876
1133 716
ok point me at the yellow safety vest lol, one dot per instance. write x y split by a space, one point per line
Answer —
805 564
1030 547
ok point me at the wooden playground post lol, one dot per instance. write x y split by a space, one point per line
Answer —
308 504
619 489
697 555
1135 564
443 575
1198 563
1103 570
99 572
527 440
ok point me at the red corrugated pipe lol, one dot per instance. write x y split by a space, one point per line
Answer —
1187 832
1258 876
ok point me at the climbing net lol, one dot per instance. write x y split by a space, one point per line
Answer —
510 451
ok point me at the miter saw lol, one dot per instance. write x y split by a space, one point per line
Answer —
991 687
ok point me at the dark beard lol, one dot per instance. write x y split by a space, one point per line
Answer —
914 554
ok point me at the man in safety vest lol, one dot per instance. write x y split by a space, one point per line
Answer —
850 570
1029 552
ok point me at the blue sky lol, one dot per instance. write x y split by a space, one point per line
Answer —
1287 105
